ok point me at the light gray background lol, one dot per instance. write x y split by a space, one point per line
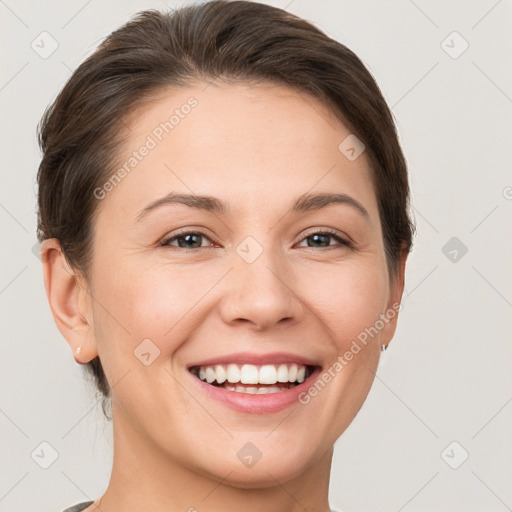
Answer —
447 375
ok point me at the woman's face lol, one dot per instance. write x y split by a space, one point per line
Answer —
178 286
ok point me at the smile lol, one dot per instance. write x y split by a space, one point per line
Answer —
253 379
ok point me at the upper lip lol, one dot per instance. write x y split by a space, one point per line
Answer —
256 359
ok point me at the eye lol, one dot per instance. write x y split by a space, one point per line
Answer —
322 239
186 240
193 240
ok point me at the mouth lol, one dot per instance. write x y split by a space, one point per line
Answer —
254 379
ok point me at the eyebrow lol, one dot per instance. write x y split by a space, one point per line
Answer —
306 202
207 203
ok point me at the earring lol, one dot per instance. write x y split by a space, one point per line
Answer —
383 348
78 350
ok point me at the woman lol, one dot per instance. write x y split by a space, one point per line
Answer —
223 210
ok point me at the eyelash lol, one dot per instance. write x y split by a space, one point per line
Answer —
327 231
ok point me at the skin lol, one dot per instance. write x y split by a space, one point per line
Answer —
257 148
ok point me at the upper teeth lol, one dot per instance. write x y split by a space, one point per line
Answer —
251 374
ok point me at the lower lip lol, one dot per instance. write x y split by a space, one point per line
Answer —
257 404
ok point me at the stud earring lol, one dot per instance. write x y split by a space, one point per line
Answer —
383 348
78 350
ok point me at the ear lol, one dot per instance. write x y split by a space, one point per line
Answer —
390 315
70 301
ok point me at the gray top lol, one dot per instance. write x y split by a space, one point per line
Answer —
85 504
79 506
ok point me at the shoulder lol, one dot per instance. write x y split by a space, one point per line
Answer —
79 506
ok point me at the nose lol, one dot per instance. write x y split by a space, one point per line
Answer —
261 293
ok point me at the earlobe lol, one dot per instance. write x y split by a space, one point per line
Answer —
69 301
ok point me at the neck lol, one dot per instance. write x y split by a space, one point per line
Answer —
146 478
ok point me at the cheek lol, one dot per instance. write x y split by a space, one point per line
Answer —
166 302
159 302
347 299
155 303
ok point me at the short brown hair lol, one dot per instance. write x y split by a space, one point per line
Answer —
218 40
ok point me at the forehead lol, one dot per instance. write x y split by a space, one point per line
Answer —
257 145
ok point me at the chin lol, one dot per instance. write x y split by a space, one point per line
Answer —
263 473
